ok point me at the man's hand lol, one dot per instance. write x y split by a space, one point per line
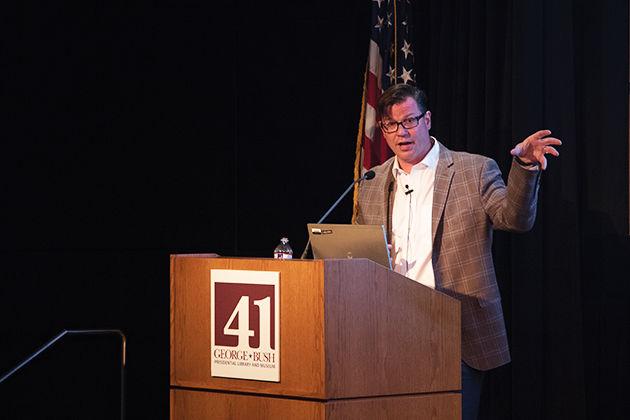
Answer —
534 148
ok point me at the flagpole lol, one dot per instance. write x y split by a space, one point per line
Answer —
358 159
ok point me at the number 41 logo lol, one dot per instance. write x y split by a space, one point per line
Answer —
241 317
245 324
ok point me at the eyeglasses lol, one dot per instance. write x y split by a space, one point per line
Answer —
392 126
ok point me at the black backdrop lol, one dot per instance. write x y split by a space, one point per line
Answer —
134 131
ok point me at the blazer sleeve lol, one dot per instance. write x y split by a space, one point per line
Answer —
510 207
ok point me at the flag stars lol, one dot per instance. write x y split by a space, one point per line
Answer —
406 75
392 75
379 2
379 24
389 19
406 49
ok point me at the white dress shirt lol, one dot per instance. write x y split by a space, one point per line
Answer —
411 218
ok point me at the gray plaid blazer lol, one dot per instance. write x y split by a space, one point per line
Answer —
470 199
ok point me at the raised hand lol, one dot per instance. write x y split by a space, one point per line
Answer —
534 148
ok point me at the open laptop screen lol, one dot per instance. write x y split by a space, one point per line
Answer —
349 241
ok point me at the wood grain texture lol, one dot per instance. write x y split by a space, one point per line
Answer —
349 328
301 325
386 334
426 407
197 405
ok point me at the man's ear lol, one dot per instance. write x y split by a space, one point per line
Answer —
427 119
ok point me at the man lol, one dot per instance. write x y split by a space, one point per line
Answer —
440 208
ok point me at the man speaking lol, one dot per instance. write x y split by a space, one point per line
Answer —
440 208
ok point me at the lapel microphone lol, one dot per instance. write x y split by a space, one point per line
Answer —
408 190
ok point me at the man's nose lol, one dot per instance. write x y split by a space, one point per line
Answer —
402 131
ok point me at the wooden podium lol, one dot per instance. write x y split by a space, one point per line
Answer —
357 341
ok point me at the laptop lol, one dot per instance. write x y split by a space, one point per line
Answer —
349 241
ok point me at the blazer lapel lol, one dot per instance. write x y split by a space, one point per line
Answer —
443 177
388 198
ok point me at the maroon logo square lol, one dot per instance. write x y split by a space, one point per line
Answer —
238 309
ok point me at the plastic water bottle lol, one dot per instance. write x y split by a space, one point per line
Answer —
283 251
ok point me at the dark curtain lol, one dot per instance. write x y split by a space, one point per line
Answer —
131 132
495 72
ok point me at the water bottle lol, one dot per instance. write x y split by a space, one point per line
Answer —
283 251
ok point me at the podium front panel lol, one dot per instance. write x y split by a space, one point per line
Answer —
302 366
348 329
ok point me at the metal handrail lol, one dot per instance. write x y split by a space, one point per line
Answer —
123 351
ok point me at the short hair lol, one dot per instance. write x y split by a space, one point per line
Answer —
397 94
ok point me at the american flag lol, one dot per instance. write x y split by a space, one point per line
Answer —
390 62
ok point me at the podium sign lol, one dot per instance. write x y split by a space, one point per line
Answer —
245 324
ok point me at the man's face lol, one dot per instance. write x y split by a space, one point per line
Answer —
410 145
